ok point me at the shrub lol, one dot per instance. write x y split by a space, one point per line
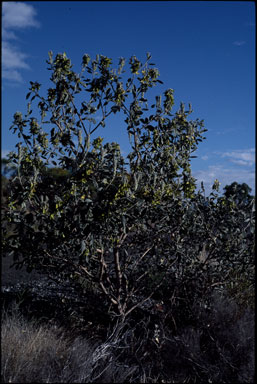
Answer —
134 233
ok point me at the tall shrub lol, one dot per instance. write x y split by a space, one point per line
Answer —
121 226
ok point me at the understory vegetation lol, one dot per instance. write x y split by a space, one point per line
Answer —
218 347
160 276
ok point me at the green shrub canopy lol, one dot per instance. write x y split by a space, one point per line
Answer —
125 227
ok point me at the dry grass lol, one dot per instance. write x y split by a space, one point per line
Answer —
217 348
34 353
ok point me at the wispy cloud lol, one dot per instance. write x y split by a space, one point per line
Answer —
12 75
18 15
228 166
242 157
15 16
12 57
225 176
238 43
8 35
225 131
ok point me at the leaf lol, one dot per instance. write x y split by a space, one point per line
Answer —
82 246
115 109
134 91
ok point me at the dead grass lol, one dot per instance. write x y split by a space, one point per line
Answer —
218 347
34 353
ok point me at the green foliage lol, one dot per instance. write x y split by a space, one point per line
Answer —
240 193
127 232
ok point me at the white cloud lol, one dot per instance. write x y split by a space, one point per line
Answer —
8 35
238 43
240 162
225 176
15 15
12 75
239 166
225 131
12 57
241 157
18 15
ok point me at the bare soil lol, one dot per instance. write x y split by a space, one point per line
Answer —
11 276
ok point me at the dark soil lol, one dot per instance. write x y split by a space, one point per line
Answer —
11 276
38 297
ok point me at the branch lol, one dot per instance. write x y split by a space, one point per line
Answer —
102 271
118 272
100 122
151 294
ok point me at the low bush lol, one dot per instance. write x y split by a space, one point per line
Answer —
217 347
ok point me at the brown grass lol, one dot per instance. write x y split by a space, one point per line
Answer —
34 353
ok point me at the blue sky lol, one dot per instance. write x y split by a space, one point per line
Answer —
204 50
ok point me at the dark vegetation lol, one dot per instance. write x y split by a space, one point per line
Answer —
135 276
